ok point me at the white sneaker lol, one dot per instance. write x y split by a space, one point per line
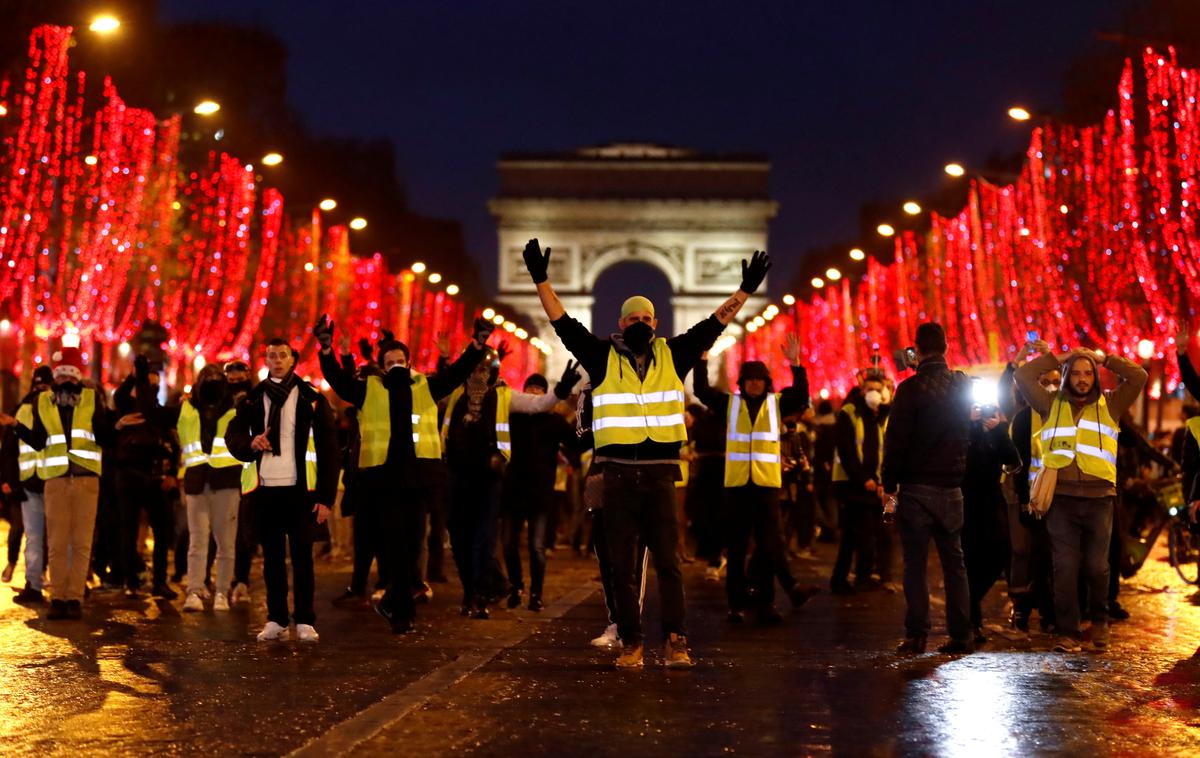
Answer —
241 594
220 602
305 633
609 639
193 603
273 631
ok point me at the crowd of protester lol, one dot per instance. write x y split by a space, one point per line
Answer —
1041 487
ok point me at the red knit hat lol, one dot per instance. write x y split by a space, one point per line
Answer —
68 361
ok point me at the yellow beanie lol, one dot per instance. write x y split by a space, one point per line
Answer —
636 304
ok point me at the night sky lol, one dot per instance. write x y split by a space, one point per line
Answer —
852 101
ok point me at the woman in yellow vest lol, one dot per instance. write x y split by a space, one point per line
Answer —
70 426
638 424
478 440
399 448
753 476
212 480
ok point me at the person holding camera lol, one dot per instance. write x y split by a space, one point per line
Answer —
1078 482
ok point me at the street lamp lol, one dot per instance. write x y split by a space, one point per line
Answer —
358 224
1017 113
789 299
434 278
452 289
832 274
419 268
91 160
327 204
857 255
887 230
206 108
955 169
272 159
497 319
3 110
105 23
818 282
1145 349
912 208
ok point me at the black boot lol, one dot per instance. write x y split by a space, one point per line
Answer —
74 609
535 603
514 598
58 610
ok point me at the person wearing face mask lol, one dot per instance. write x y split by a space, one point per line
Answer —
752 479
25 488
1079 441
857 460
239 382
1029 579
70 426
212 479
479 448
398 429
638 423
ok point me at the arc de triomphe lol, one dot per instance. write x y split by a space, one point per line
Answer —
691 215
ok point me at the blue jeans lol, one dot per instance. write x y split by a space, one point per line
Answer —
33 513
1080 529
925 513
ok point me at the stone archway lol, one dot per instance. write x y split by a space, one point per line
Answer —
692 216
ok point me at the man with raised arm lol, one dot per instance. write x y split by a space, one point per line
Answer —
637 420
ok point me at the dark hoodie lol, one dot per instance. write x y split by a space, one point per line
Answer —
165 419
1073 482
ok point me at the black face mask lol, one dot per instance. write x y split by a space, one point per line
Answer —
397 375
213 391
236 388
638 336
70 388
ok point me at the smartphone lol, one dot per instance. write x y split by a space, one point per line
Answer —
910 356
1031 335
989 411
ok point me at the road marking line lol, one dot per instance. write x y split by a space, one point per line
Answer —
345 736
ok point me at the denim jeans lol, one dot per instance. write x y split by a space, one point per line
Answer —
474 513
33 513
512 523
1080 529
927 512
639 508
754 513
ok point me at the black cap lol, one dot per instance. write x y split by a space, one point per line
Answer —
753 370
537 380
43 375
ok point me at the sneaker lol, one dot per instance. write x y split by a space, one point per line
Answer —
712 574
273 631
220 602
58 610
74 609
165 592
399 625
306 633
1067 644
955 647
632 658
675 653
29 595
514 599
1100 636
608 639
1115 611
423 595
7 575
240 594
911 646
194 603
535 603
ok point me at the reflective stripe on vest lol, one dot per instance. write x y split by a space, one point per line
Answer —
375 422
250 480
627 410
27 458
189 432
1090 442
860 435
752 449
503 411
1035 444
57 456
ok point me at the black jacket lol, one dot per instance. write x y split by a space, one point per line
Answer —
312 412
859 469
926 440
988 453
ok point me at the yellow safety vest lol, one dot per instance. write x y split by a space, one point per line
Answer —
503 410
375 423
627 410
81 449
1193 426
1035 444
860 434
193 453
1091 442
684 466
27 458
250 480
752 449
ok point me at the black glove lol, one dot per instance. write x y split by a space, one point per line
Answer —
570 377
323 331
365 349
537 262
502 350
141 369
755 271
483 329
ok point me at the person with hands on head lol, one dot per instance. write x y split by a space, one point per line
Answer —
1079 442
753 477
638 441
398 454
477 434
285 429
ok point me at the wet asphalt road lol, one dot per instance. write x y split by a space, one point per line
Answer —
139 677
